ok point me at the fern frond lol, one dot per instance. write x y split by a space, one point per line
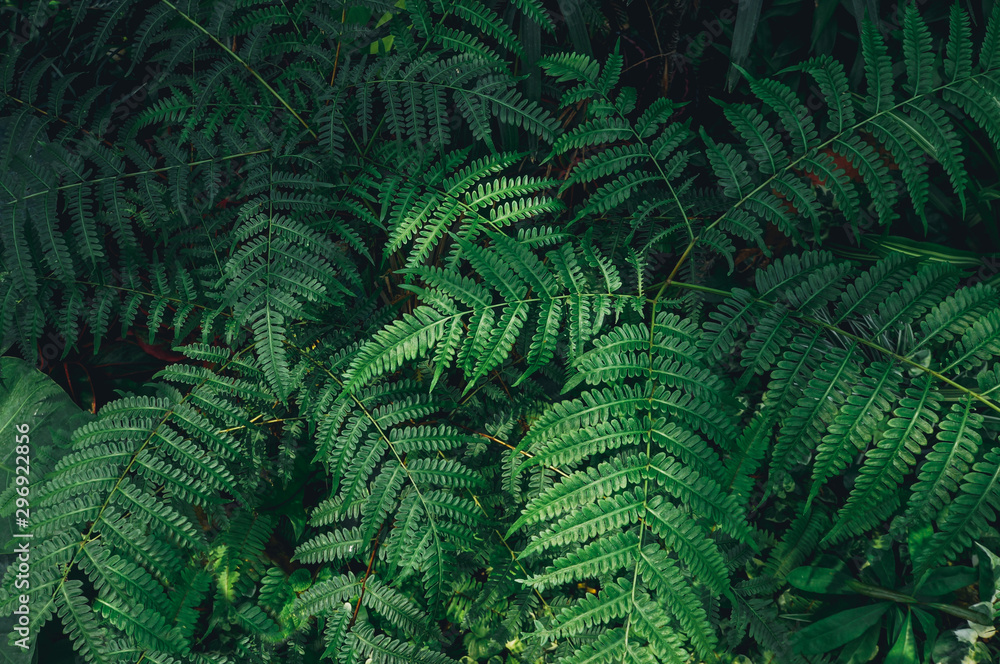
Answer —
970 515
887 462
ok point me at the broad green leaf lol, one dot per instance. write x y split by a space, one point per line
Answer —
836 630
944 580
820 580
904 650
862 649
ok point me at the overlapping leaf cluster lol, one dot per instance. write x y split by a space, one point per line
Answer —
455 383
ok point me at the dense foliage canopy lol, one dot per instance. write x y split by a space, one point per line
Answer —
387 332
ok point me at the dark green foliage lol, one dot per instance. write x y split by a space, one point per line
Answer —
458 360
